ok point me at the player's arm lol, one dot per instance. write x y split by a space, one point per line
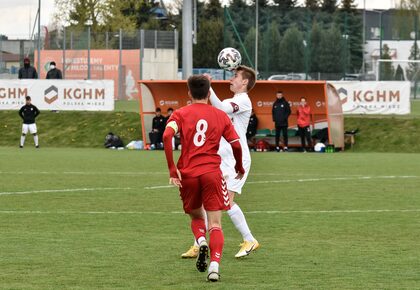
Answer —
232 137
21 113
37 112
226 106
168 134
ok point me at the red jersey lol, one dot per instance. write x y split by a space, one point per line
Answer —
201 127
304 116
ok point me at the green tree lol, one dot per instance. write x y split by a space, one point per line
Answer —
329 6
315 45
348 5
312 4
285 4
292 51
271 49
209 43
413 69
387 70
330 57
249 44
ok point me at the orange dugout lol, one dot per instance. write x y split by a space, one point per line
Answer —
321 97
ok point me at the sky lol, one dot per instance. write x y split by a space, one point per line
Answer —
18 16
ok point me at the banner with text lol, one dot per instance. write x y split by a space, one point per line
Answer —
63 95
374 97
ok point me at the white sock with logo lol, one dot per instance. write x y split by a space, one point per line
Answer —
36 140
238 219
22 140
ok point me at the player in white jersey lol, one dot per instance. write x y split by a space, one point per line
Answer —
239 109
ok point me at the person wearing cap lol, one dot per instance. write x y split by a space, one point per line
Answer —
27 71
54 72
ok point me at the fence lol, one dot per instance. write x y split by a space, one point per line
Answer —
86 54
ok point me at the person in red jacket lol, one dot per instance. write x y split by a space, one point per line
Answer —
304 116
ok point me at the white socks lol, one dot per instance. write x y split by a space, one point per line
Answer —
36 140
22 140
214 267
238 219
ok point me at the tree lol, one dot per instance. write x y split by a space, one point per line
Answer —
348 5
412 71
271 48
292 51
285 4
213 10
209 43
387 70
312 4
330 57
315 44
329 6
249 44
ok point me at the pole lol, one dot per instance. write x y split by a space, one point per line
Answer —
415 51
38 65
187 51
256 36
364 37
64 52
88 60
224 34
380 34
120 74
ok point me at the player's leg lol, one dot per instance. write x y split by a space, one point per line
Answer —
33 130
192 203
215 199
285 139
235 212
25 129
308 136
302 138
277 138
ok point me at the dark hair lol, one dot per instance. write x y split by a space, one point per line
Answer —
247 74
28 98
158 110
303 98
52 63
279 92
198 86
170 109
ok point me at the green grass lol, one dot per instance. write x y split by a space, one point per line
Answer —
317 216
127 106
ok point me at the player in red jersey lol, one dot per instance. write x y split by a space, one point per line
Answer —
198 174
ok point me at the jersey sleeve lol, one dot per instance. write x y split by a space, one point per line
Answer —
229 132
231 106
174 122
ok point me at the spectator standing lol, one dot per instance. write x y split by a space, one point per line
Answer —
158 126
304 121
252 126
54 72
281 112
28 113
27 71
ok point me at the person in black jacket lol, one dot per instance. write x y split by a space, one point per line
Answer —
281 112
54 72
252 126
27 71
158 127
28 113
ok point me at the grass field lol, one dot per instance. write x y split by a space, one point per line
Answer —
93 218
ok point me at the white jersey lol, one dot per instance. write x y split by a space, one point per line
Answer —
239 110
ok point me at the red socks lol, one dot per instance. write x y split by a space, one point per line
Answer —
198 227
216 244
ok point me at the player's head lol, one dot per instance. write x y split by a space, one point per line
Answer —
279 94
198 87
243 80
28 100
169 111
158 112
52 65
303 101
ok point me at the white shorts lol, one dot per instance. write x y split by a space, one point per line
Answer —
228 169
29 127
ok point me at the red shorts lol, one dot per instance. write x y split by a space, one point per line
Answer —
209 190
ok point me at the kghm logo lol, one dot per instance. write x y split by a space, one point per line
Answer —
342 93
51 94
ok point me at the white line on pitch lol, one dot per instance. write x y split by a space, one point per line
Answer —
247 212
63 190
305 180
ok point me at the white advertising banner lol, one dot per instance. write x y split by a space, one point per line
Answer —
374 97
62 95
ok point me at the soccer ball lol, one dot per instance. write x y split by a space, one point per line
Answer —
229 58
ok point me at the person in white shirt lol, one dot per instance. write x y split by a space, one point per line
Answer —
239 109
